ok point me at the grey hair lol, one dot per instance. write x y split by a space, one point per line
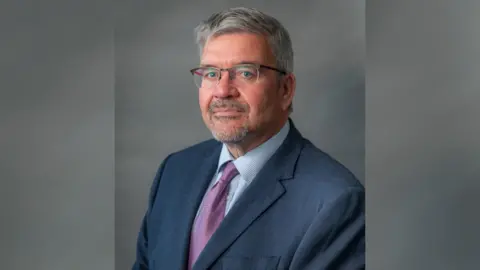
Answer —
250 20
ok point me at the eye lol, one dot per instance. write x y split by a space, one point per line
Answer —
210 74
247 73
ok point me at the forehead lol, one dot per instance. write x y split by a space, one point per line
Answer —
233 48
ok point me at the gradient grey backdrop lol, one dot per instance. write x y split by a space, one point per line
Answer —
423 135
156 101
56 135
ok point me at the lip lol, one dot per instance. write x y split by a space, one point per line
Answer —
226 112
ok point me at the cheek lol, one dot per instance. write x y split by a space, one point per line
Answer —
258 104
203 100
264 98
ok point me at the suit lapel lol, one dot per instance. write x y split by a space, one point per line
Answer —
202 177
262 193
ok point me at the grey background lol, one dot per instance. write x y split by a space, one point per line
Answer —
422 135
56 135
156 107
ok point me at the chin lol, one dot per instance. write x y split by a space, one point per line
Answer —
229 138
231 134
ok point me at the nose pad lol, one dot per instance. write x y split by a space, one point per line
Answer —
230 75
228 80
224 86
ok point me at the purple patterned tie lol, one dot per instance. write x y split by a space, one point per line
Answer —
211 214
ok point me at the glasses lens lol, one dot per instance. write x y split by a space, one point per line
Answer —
205 77
246 74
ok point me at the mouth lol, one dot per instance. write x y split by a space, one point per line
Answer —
221 110
226 112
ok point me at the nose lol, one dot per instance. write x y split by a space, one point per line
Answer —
225 87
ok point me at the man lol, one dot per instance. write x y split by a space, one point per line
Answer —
259 195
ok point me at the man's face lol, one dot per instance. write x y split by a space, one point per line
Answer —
232 110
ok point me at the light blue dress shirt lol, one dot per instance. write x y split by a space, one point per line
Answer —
247 165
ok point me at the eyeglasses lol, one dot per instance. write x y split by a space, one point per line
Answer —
240 75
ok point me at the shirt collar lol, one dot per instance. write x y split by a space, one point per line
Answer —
252 162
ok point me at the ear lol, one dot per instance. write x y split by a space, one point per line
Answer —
287 90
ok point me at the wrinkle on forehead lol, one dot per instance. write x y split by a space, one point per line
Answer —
231 49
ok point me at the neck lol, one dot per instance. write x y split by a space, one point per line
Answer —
251 142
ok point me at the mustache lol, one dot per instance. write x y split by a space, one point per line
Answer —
227 104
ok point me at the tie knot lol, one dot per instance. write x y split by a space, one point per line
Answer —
229 172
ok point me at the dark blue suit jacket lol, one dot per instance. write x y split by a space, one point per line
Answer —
304 210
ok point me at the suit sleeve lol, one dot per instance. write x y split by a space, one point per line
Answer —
141 260
336 238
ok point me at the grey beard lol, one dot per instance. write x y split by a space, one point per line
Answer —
235 138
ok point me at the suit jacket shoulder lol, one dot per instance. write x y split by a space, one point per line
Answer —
317 171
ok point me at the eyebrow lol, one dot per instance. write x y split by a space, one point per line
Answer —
237 64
